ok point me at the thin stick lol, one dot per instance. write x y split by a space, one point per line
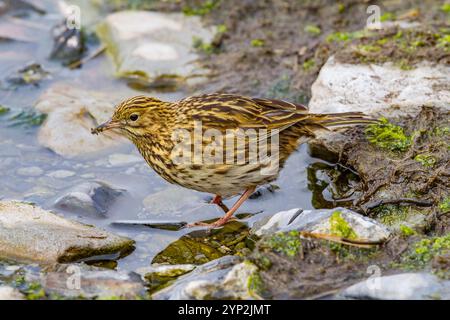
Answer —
94 54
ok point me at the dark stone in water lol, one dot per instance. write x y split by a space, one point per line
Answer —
68 44
32 73
94 198
164 225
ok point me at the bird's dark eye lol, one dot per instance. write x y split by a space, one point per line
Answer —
134 117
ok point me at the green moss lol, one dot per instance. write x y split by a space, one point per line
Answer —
34 291
388 136
221 28
403 48
346 36
426 160
406 231
288 243
391 214
203 47
441 131
366 48
3 109
339 227
203 9
313 30
444 206
255 284
309 64
446 8
257 43
387 16
341 7
262 261
424 250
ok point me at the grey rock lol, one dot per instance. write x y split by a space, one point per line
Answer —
10 293
82 281
318 221
71 113
93 198
31 234
172 199
405 286
219 279
153 45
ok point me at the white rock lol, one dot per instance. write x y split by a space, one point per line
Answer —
71 115
10 293
31 234
121 159
61 174
93 282
405 286
30 171
153 44
379 90
222 278
318 221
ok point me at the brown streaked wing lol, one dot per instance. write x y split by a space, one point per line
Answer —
227 111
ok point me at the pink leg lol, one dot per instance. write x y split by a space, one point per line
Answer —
218 200
230 212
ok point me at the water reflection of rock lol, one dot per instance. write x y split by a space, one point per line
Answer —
202 246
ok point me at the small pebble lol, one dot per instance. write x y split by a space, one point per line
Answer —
61 174
121 159
30 171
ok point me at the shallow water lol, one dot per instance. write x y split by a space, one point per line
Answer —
19 149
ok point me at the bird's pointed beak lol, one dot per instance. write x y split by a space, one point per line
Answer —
110 124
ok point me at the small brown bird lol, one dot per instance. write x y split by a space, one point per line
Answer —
222 144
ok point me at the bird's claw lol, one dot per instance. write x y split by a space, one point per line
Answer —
217 224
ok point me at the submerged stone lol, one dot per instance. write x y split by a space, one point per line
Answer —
158 276
92 198
201 246
31 234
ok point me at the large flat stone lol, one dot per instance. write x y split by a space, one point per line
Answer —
31 234
153 45
379 90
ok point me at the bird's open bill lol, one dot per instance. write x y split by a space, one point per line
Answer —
110 124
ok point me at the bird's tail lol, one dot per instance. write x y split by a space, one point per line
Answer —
343 119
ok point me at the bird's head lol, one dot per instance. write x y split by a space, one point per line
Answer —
137 116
